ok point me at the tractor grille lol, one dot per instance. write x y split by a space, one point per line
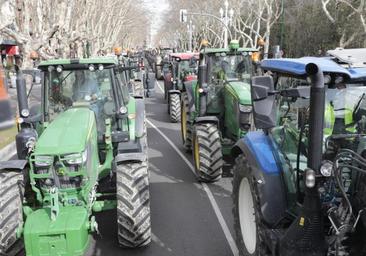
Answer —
57 175
244 120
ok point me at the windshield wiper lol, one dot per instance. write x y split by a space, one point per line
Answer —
65 77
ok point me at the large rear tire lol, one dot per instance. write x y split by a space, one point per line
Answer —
246 211
185 124
11 212
174 107
133 204
207 152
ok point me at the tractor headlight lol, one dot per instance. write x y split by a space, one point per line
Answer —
310 178
76 159
43 161
25 112
245 108
59 68
326 169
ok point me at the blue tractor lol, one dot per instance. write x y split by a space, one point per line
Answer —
299 184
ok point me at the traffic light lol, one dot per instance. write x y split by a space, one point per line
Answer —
183 15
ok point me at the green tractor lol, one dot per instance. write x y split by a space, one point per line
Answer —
299 180
216 109
82 151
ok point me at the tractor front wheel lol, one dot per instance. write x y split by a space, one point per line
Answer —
11 212
174 107
133 204
185 124
246 211
207 152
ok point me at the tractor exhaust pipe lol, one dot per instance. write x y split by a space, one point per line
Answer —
305 236
317 108
202 73
22 95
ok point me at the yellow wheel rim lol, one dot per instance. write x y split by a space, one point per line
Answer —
184 123
196 153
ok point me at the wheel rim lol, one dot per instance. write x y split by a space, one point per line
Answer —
184 123
196 153
248 226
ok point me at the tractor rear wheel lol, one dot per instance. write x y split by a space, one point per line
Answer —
133 204
207 152
185 124
174 107
246 211
11 212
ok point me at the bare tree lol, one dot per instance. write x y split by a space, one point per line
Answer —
59 28
355 13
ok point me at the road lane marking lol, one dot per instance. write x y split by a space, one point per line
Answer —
159 86
210 196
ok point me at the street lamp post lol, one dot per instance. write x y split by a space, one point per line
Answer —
226 17
190 28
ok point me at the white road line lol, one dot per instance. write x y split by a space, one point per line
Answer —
211 198
159 86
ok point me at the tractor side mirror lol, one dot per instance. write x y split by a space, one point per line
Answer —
263 98
193 62
298 92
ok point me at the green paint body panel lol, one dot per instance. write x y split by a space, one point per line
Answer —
66 134
67 235
240 91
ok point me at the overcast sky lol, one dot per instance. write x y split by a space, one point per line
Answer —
157 9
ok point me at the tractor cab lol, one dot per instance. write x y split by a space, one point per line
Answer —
97 84
309 152
228 71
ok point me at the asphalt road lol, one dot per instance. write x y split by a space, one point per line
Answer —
188 218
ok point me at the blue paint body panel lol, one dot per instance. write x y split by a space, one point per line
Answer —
296 67
261 147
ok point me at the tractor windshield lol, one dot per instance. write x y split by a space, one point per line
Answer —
230 67
77 87
342 102
185 67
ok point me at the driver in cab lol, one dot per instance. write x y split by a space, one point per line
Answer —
85 87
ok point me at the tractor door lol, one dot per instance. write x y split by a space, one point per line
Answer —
215 103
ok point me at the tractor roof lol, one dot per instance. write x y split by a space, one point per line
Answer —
220 50
97 60
185 55
296 67
350 57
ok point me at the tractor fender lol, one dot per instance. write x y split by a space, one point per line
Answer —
259 151
140 118
188 87
174 92
13 165
207 119
133 156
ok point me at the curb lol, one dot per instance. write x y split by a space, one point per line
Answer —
7 152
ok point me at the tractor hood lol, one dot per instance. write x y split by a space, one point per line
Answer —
241 90
68 133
